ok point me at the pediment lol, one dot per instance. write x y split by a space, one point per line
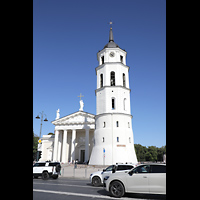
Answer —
79 117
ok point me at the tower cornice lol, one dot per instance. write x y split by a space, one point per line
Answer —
110 49
117 113
116 86
101 66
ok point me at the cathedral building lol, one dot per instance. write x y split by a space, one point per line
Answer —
107 137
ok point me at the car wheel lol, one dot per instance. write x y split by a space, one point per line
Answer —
45 175
117 189
96 181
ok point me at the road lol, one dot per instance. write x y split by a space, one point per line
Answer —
75 189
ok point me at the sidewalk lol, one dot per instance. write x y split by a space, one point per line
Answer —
82 171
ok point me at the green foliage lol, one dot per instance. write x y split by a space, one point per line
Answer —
35 144
51 134
140 152
150 153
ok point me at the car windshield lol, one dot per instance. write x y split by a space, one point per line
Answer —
109 168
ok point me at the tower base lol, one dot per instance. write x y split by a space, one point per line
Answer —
120 154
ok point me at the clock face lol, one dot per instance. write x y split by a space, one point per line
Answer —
112 54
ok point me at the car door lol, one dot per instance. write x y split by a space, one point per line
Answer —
157 179
137 180
35 168
107 171
38 168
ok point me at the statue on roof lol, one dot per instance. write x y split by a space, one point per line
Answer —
81 102
58 114
81 105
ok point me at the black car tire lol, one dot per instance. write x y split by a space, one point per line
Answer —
96 181
45 175
117 189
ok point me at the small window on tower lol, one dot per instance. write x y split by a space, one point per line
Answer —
124 80
112 78
101 80
117 139
104 124
121 59
124 103
113 103
102 60
103 140
117 123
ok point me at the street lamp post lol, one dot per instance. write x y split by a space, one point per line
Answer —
41 120
42 113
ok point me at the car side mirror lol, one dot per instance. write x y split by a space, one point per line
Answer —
104 170
130 173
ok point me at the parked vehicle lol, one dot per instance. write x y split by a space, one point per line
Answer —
96 178
46 170
145 178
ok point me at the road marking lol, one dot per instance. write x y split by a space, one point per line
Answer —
64 185
75 194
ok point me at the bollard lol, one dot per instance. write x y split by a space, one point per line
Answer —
74 172
63 172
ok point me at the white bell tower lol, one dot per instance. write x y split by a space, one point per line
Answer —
113 136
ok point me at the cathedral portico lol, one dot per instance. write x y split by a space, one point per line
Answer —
73 137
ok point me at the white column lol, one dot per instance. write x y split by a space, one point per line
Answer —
87 144
64 147
59 146
55 149
73 144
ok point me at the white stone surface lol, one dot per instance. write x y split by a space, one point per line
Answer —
113 125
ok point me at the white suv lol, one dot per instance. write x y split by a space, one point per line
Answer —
46 169
96 178
145 178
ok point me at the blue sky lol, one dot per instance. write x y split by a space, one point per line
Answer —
66 38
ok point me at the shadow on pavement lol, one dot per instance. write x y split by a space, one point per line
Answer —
145 196
134 195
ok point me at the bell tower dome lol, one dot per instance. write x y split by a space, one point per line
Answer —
113 136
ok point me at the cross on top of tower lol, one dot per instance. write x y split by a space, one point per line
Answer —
111 24
80 96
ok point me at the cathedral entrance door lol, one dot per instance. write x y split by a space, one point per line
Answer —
82 156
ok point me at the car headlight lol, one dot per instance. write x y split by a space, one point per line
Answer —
91 174
106 178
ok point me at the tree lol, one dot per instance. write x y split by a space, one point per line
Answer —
148 156
153 151
161 151
140 152
51 134
35 145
